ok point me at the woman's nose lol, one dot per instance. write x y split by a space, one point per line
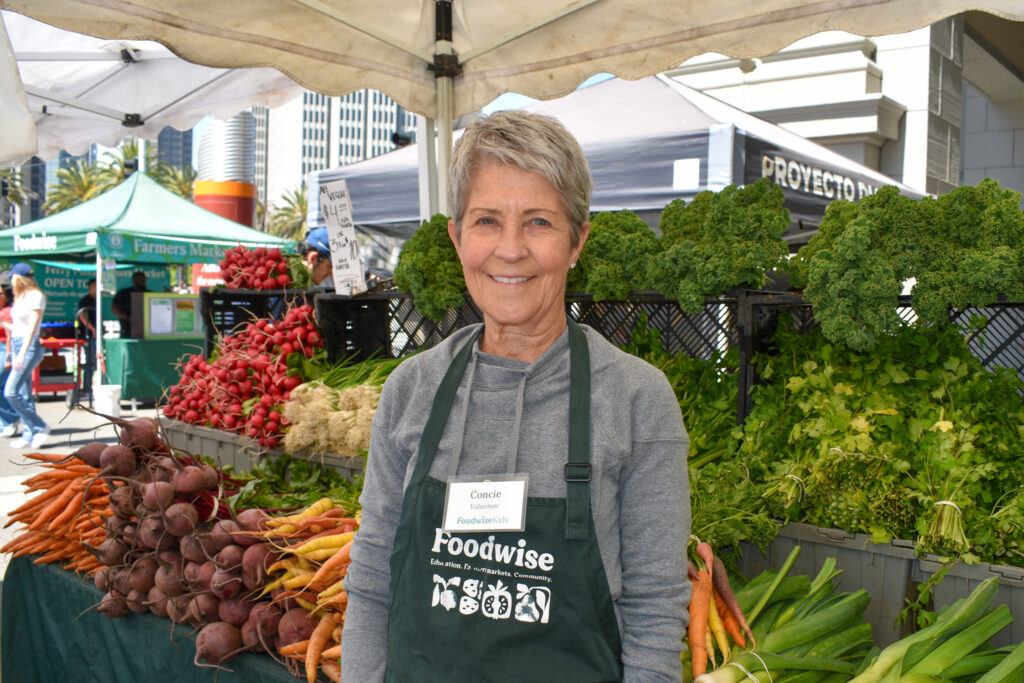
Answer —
511 245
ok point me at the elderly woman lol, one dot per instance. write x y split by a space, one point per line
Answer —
525 508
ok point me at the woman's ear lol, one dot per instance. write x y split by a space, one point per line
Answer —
584 234
454 236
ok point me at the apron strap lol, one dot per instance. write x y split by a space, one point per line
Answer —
578 469
439 410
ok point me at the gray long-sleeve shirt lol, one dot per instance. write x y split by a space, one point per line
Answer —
639 491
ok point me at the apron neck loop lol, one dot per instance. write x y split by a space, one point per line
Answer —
578 469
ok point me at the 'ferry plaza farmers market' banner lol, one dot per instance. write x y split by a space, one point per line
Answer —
65 284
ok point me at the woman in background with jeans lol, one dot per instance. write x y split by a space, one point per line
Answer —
27 352
8 417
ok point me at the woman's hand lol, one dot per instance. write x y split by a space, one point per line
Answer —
17 363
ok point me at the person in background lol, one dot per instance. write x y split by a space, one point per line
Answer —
316 254
85 321
450 579
8 417
121 304
27 351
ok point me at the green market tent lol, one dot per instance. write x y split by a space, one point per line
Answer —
137 221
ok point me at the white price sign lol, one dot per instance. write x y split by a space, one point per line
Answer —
336 213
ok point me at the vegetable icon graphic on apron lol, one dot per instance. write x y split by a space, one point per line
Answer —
443 594
469 604
497 601
532 604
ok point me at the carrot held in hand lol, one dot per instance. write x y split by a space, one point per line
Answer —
732 626
700 603
721 584
718 630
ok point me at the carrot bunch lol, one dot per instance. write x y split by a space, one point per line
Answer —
715 614
64 516
313 548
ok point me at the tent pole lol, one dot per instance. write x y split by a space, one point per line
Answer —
445 67
427 152
98 367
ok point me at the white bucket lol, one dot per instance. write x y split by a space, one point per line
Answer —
107 399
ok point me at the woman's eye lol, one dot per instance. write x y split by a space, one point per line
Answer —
539 221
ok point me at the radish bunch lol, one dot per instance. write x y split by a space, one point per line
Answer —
259 268
251 374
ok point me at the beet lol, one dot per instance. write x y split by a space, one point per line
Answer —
251 520
113 604
157 601
223 532
117 460
110 552
177 608
163 468
170 580
142 572
211 476
141 434
190 480
226 584
217 643
158 495
265 616
102 579
235 611
199 574
251 637
181 518
202 609
153 535
295 625
255 561
136 601
229 557
90 453
169 558
197 546
122 501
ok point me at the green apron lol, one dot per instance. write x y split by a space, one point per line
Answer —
538 608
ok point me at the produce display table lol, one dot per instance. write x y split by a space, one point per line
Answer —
50 633
145 367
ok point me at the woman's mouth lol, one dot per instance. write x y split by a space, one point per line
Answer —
509 280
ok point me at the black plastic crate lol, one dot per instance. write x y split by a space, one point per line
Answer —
226 310
355 327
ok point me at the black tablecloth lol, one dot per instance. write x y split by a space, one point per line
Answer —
52 634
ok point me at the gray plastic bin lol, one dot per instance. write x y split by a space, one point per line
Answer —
964 578
241 452
884 570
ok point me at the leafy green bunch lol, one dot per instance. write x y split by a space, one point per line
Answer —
429 269
719 241
964 248
913 440
615 258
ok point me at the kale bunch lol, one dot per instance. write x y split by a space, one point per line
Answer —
719 241
965 248
615 259
429 269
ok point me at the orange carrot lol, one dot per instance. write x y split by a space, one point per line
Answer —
728 618
317 642
334 562
298 648
72 508
333 652
700 604
331 669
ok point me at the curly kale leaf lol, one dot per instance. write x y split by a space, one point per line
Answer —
429 269
614 260
719 241
979 254
854 293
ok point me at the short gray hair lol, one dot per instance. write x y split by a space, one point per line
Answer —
533 142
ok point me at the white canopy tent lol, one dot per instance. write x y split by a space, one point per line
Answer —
443 59
75 90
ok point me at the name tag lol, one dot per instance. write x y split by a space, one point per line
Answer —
491 503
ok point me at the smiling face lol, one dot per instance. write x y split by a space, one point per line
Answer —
516 246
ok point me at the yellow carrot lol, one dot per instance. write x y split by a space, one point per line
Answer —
318 508
325 542
717 629
331 590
